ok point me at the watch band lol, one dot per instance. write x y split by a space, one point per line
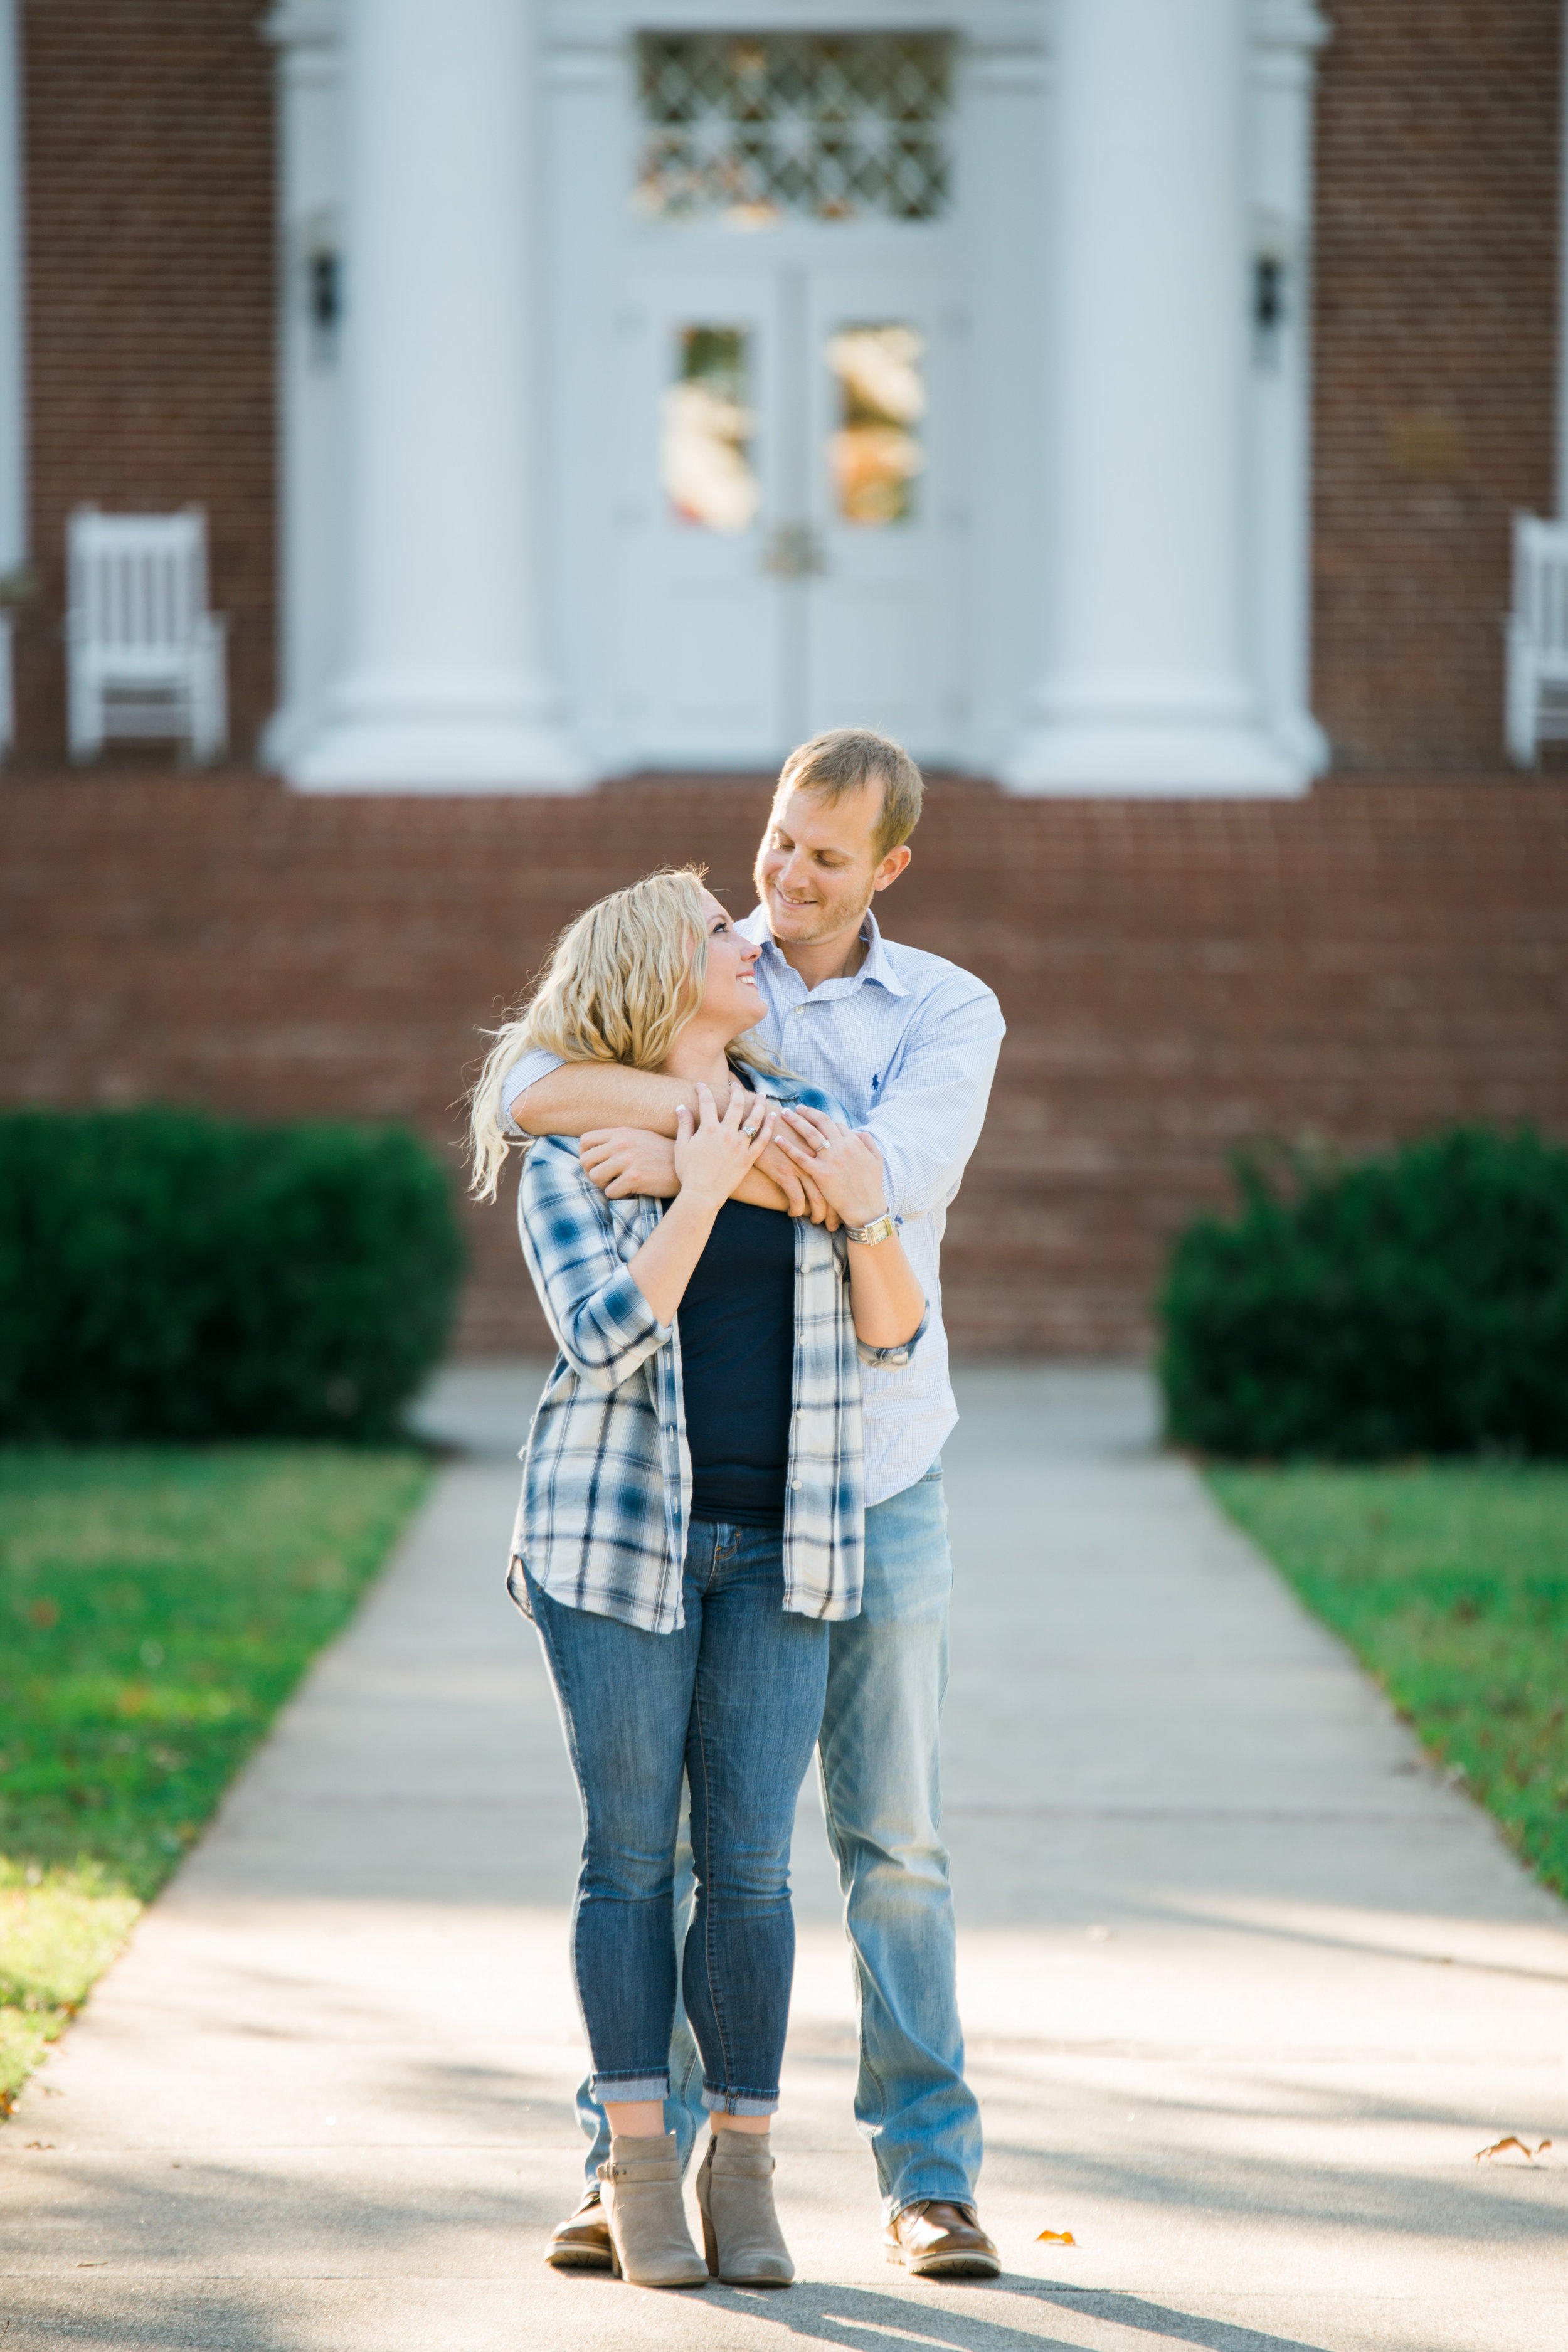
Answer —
880 1229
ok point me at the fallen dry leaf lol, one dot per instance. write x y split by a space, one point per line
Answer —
1056 2238
1498 2146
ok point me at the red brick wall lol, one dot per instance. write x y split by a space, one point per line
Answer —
150 314
1368 963
1438 131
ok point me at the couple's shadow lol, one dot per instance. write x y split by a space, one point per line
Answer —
945 2316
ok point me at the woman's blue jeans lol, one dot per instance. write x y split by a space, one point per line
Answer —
882 1794
732 1702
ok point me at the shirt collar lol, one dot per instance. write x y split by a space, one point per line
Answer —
878 966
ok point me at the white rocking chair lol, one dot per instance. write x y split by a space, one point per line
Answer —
1536 692
146 655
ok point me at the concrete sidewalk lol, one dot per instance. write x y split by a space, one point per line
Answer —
1245 1985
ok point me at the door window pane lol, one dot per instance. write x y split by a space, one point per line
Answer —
875 454
705 441
748 127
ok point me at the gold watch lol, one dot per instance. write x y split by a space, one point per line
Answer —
880 1229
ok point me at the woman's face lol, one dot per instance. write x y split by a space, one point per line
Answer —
731 999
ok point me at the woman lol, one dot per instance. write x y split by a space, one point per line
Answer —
691 1524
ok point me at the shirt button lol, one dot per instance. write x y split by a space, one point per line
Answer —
794 1486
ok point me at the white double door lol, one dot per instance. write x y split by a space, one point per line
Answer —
791 524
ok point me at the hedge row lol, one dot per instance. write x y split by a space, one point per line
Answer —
166 1273
1414 1304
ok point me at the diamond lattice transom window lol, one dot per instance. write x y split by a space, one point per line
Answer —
754 128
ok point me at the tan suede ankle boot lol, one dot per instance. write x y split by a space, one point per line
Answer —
650 2242
740 2233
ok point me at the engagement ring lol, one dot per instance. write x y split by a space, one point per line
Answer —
749 1133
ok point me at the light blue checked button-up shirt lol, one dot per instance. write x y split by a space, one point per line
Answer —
909 1045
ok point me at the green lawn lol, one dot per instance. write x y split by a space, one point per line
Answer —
157 1604
1450 1583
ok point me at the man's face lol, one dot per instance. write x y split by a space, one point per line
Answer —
817 867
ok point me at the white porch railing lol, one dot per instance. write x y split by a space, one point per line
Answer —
146 655
1536 693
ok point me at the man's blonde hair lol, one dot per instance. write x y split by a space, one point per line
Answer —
624 980
847 758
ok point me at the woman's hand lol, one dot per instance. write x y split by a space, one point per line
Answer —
845 1163
712 1157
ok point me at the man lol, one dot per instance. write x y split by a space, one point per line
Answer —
907 1043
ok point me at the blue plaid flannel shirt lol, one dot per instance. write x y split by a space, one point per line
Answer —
606 1480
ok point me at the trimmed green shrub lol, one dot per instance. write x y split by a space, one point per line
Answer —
1415 1304
166 1273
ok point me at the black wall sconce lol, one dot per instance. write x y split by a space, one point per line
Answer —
1269 306
324 275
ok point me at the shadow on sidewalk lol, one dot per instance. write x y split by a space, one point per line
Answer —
847 2315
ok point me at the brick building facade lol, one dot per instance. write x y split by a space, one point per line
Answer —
152 297
1387 953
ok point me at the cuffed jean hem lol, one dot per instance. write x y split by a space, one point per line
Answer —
739 2102
954 2190
620 2090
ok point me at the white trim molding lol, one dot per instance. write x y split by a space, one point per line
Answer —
1282 74
310 615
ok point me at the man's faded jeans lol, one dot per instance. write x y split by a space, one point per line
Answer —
879 1762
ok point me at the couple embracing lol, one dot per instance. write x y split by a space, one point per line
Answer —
740 1143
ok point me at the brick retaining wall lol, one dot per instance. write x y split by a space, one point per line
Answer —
1381 957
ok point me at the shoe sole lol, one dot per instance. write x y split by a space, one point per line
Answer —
946 2265
577 2258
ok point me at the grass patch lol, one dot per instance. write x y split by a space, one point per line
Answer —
157 1605
1450 1583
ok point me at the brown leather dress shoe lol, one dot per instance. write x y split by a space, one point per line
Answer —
937 2241
583 2241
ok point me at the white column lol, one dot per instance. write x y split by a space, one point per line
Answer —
1144 685
444 685
13 341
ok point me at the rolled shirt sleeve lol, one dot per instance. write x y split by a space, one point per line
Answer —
893 1359
519 1078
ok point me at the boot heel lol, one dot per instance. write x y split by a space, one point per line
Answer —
650 2244
741 2240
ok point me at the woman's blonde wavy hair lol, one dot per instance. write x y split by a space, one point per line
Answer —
623 983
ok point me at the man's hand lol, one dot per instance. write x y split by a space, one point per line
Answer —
803 1195
623 1160
713 1152
846 1163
